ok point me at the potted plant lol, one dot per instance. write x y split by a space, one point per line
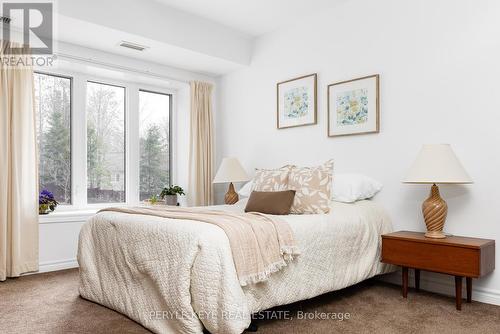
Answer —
153 200
170 194
46 202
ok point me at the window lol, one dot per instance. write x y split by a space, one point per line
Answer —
105 143
53 109
154 132
102 141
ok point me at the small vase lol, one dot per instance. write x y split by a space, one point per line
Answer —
43 209
171 200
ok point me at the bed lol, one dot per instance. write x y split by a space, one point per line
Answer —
177 276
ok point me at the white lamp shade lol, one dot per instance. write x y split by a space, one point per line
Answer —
230 170
437 164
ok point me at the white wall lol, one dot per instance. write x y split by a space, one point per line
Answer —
58 241
439 67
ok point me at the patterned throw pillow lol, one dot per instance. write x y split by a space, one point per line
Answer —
271 179
312 187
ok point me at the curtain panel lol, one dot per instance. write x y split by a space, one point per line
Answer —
201 145
18 171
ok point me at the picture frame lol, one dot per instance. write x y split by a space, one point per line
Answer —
296 102
354 106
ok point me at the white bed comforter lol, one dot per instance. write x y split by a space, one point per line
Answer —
176 276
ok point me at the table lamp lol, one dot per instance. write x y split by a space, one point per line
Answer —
230 171
436 164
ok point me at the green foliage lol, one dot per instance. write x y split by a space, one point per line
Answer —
57 156
153 199
105 144
152 169
172 190
54 136
97 171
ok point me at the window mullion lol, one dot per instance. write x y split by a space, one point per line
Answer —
132 144
79 142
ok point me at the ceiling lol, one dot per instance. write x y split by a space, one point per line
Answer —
253 17
211 37
84 34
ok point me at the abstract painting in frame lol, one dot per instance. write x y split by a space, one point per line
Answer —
353 106
296 99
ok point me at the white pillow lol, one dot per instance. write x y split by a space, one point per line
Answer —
352 187
241 203
246 190
346 187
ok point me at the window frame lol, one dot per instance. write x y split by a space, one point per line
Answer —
170 128
125 142
78 135
71 158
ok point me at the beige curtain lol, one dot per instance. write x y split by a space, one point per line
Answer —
18 171
201 145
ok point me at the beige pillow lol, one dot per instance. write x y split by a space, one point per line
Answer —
312 187
271 179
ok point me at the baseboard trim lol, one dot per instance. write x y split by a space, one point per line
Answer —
445 285
57 265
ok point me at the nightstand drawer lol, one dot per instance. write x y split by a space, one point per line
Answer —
454 255
439 258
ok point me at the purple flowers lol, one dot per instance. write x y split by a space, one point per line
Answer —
47 198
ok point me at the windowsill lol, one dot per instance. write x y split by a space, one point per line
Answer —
67 216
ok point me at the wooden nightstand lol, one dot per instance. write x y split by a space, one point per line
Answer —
458 256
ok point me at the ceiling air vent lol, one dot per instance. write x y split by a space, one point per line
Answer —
5 19
133 46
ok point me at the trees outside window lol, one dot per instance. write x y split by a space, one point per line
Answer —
101 143
53 110
154 132
105 143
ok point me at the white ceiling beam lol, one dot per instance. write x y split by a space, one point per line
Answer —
163 24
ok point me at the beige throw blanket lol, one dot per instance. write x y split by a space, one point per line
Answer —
260 244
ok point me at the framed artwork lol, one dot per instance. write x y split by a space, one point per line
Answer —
353 106
296 100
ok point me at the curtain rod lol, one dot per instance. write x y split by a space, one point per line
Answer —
117 67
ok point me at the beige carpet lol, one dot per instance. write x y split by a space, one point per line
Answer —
49 303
